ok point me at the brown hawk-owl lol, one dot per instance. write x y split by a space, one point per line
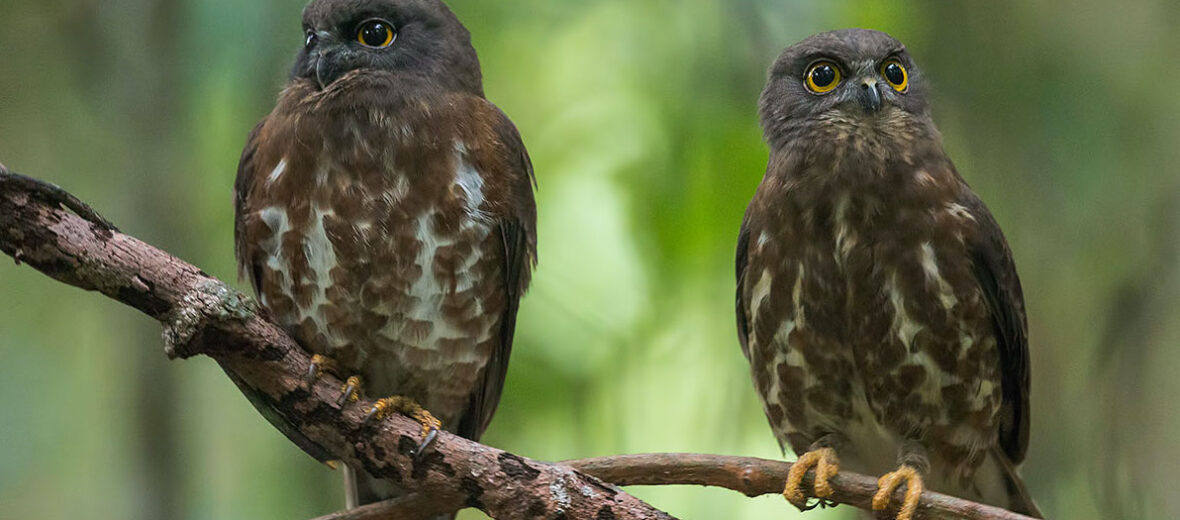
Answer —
877 299
385 214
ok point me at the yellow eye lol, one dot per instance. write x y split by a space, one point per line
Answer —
894 73
376 33
822 77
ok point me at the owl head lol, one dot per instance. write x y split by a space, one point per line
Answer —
847 79
420 39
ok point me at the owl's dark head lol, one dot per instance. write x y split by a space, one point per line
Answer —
418 38
851 81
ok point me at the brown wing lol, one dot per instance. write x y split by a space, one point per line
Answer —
243 249
247 266
996 274
743 256
517 230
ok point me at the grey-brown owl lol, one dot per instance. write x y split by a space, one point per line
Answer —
877 299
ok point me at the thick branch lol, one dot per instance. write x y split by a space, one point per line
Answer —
52 231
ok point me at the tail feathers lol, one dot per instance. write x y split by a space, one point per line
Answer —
360 489
1019 500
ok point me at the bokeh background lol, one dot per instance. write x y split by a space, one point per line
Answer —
641 120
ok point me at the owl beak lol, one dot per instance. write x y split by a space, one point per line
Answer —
323 73
869 97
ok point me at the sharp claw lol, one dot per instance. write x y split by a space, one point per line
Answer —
319 363
350 391
426 443
808 506
372 413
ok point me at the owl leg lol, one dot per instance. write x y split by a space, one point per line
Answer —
409 408
914 462
822 457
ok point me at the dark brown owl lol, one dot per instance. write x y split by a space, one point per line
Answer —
877 299
385 215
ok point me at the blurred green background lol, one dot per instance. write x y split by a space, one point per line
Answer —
641 121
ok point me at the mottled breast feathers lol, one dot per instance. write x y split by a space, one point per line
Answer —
392 225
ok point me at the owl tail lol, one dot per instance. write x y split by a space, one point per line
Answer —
360 489
1019 501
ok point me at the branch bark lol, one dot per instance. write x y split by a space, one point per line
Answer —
55 233
747 475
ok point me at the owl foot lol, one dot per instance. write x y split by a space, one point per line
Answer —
409 408
319 365
351 391
889 483
826 466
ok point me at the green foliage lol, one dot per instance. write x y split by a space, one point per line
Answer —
641 120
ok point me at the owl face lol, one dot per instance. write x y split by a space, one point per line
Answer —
414 39
847 75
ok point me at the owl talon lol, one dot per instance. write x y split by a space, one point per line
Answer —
821 503
319 364
889 483
352 389
826 466
406 406
427 441
374 412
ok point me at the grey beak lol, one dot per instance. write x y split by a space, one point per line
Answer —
869 97
325 39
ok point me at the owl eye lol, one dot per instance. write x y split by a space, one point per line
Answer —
376 33
894 72
822 77
310 39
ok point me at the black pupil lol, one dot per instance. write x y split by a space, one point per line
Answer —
894 74
375 34
823 75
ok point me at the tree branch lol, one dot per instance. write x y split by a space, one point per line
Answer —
55 233
747 475
755 477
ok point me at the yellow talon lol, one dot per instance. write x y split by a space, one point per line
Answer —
429 422
826 466
352 389
409 408
889 483
319 364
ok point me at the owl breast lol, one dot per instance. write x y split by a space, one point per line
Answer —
867 322
393 274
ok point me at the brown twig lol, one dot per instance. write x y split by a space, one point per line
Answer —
55 233
755 477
